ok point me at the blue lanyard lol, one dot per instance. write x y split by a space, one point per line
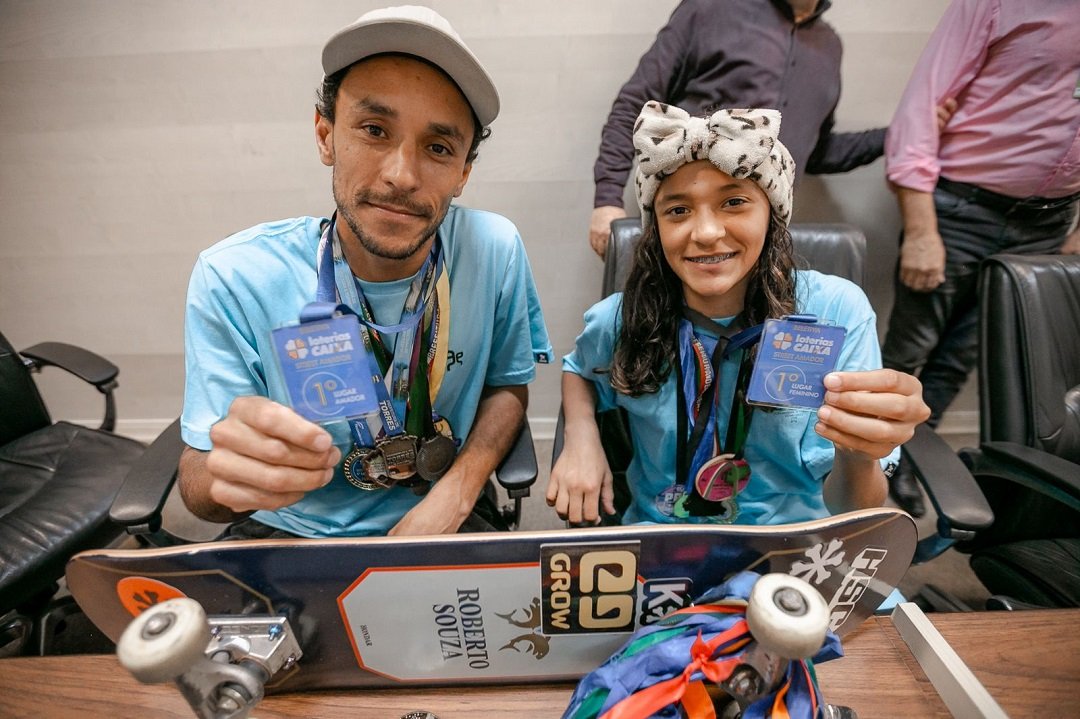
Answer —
338 291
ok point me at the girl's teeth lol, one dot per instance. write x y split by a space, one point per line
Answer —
715 259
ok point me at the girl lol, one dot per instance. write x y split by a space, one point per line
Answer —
715 259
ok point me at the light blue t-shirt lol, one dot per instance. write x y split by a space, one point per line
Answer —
788 459
259 279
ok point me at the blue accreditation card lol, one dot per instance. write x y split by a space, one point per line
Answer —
326 369
792 362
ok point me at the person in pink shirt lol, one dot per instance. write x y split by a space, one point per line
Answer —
1003 175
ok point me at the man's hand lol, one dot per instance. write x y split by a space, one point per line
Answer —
1072 243
944 113
871 412
265 456
922 261
600 227
442 511
451 500
922 252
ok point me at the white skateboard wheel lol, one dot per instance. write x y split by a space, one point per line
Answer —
164 641
787 616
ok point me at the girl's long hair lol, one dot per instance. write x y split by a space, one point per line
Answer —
647 346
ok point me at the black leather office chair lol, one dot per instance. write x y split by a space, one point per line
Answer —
57 481
1028 461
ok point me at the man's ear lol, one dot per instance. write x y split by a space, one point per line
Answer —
324 140
464 178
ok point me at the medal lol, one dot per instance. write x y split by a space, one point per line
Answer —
365 469
399 454
716 488
435 456
667 501
721 477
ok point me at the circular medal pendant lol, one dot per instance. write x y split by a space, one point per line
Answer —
718 477
399 455
435 456
667 501
442 426
362 468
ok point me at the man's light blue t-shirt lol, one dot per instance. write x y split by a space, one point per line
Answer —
259 279
789 460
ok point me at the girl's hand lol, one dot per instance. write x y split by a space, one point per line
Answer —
580 481
871 412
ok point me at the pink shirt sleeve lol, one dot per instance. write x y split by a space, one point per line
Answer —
953 56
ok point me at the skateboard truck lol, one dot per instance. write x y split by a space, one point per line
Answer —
788 620
220 664
760 675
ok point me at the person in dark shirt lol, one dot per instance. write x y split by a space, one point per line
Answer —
715 54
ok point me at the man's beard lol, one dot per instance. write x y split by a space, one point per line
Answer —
382 249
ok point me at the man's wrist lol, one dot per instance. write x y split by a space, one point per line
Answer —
607 196
917 211
461 489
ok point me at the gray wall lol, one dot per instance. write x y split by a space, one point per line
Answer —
135 134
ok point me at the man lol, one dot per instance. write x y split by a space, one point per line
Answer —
1003 176
715 54
403 106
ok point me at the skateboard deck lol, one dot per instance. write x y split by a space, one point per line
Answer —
488 608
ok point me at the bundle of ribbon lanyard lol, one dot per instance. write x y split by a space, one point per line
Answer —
665 668
409 445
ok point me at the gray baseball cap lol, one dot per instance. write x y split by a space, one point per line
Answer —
419 31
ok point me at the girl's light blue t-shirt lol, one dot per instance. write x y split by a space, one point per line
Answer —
788 459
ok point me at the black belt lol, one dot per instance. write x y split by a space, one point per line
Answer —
1004 203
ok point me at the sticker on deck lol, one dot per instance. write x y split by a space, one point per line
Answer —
567 612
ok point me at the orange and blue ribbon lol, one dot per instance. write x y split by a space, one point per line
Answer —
663 669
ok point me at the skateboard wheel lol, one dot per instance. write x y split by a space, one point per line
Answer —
787 616
164 641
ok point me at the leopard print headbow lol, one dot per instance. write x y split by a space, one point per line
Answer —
742 143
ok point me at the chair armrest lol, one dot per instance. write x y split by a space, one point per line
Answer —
961 507
1034 469
137 506
517 471
84 364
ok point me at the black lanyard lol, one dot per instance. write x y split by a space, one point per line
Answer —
729 339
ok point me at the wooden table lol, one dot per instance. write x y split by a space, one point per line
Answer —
1029 661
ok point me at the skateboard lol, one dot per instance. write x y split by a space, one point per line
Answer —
500 608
